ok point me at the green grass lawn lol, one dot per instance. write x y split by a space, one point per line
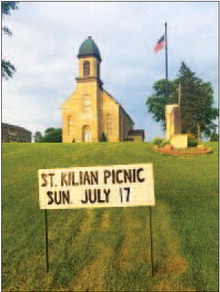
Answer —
109 249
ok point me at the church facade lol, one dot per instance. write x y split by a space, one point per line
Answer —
90 113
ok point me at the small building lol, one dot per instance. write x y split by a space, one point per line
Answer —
13 134
90 112
136 135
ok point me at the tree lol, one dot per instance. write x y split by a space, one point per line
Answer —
8 69
156 102
197 112
48 131
38 137
214 137
50 135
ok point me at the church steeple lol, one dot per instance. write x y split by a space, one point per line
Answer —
89 49
89 61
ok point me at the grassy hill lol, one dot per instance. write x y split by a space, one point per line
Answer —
108 249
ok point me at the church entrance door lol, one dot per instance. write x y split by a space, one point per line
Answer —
87 135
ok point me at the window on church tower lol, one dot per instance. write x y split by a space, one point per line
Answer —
86 68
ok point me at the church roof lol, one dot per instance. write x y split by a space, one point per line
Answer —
119 106
137 132
89 48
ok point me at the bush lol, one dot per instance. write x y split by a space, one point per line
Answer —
164 143
214 137
192 140
158 141
103 138
192 143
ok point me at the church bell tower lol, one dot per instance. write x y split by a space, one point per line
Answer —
89 62
89 86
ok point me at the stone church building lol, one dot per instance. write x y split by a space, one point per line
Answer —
90 113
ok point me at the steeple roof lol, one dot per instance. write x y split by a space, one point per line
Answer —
89 49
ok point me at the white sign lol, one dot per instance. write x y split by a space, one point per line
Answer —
100 186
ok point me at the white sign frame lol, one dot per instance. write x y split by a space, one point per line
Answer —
125 185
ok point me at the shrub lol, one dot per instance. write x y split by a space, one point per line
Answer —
103 138
192 140
214 137
158 141
192 143
164 143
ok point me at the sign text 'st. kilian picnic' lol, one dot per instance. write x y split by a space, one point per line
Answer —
99 186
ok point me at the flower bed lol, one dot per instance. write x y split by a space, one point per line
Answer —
188 151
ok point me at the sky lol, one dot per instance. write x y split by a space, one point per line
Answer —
46 39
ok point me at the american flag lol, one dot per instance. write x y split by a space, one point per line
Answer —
159 45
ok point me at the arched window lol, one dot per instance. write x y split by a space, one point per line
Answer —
86 68
70 125
109 124
87 134
86 104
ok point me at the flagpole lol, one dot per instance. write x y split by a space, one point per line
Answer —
166 64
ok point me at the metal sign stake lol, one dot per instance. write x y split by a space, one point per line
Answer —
46 242
151 243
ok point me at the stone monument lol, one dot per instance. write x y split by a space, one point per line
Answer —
173 120
173 127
